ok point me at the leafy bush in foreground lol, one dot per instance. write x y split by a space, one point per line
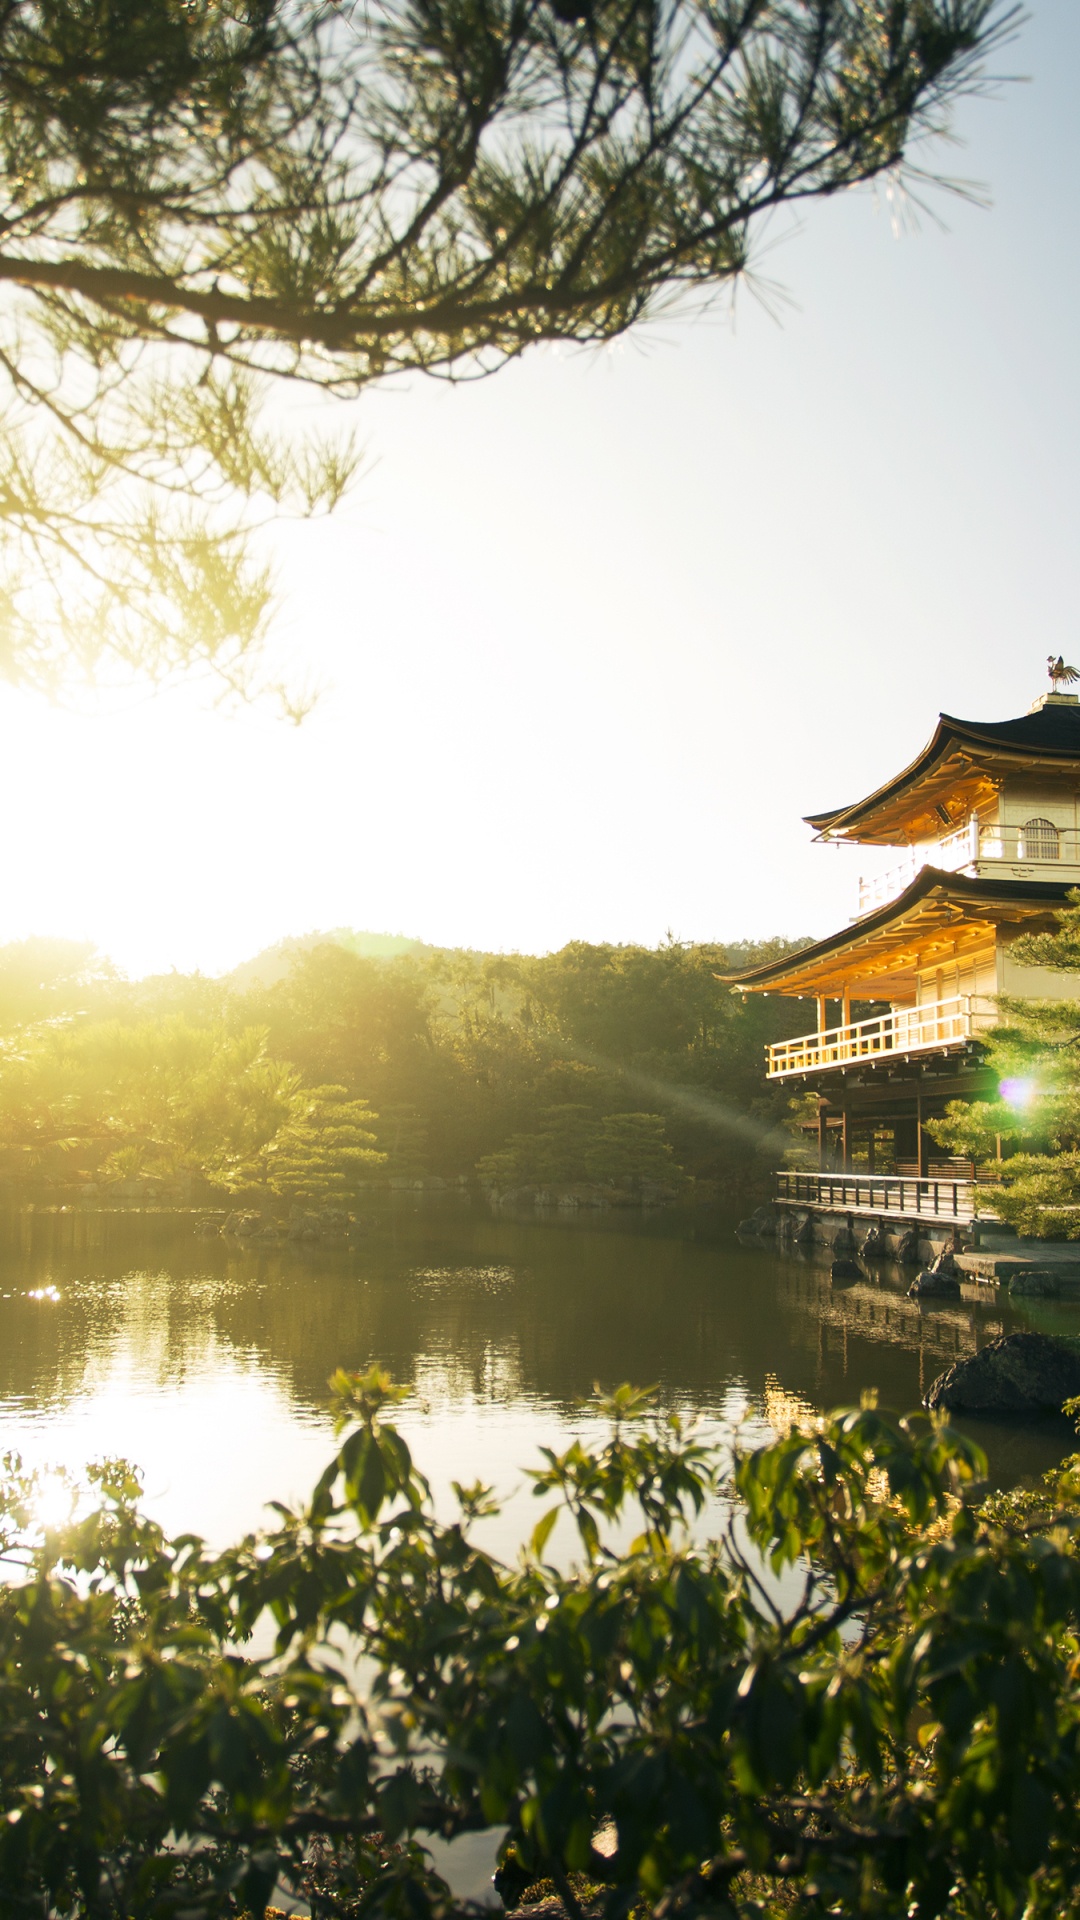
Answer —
899 1736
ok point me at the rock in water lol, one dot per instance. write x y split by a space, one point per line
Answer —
875 1246
933 1284
845 1269
1022 1373
1044 1286
908 1250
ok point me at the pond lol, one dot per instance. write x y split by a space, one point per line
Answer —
206 1362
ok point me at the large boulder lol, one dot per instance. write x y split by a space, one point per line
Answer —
1022 1373
934 1284
1041 1286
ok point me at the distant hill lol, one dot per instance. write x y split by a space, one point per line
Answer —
273 963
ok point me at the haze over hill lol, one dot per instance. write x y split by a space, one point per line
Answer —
335 1057
273 963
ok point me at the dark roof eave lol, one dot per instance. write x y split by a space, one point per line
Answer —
1043 732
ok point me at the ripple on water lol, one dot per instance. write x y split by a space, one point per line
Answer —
139 1339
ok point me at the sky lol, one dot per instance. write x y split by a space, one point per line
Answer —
594 634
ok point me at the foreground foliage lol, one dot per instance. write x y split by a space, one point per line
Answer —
205 199
860 1699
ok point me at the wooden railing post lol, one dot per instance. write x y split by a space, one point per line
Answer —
879 1193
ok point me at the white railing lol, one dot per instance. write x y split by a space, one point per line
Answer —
955 850
969 846
1051 847
879 888
944 1023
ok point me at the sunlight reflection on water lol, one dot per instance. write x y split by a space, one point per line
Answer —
206 1365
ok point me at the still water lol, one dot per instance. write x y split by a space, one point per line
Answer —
206 1363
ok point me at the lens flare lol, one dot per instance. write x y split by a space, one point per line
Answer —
1018 1093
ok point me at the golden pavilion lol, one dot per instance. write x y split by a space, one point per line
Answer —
985 825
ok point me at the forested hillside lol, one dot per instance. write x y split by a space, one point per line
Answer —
335 1061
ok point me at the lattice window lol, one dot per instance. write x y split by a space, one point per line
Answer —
1039 840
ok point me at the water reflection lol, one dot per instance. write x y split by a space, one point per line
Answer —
208 1364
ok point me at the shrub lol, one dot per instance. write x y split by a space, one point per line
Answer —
857 1695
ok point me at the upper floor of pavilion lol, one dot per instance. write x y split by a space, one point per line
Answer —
983 799
988 819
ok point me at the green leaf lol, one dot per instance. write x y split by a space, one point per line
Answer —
542 1531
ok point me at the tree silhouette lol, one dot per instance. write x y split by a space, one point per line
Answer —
205 200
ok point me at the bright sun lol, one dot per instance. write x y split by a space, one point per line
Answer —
54 1499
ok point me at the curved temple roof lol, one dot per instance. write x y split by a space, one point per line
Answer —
874 957
962 754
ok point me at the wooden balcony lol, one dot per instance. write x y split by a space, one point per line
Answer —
931 1199
1015 853
939 1027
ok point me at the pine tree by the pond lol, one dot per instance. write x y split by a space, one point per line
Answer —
324 1152
1030 1131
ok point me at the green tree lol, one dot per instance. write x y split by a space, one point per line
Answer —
574 1144
154 1097
636 1004
323 1151
1031 1129
341 1017
207 198
632 1150
470 1050
554 1153
369 1025
663 1027
461 1055
403 1139
45 979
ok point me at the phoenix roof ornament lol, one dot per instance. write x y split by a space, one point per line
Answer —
1060 674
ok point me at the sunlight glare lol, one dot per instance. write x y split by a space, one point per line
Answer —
54 1499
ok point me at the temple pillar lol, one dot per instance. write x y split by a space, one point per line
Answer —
925 1141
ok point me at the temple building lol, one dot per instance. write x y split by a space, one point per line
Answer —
985 824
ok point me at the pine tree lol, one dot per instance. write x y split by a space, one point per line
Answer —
324 1151
207 199
1031 1129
